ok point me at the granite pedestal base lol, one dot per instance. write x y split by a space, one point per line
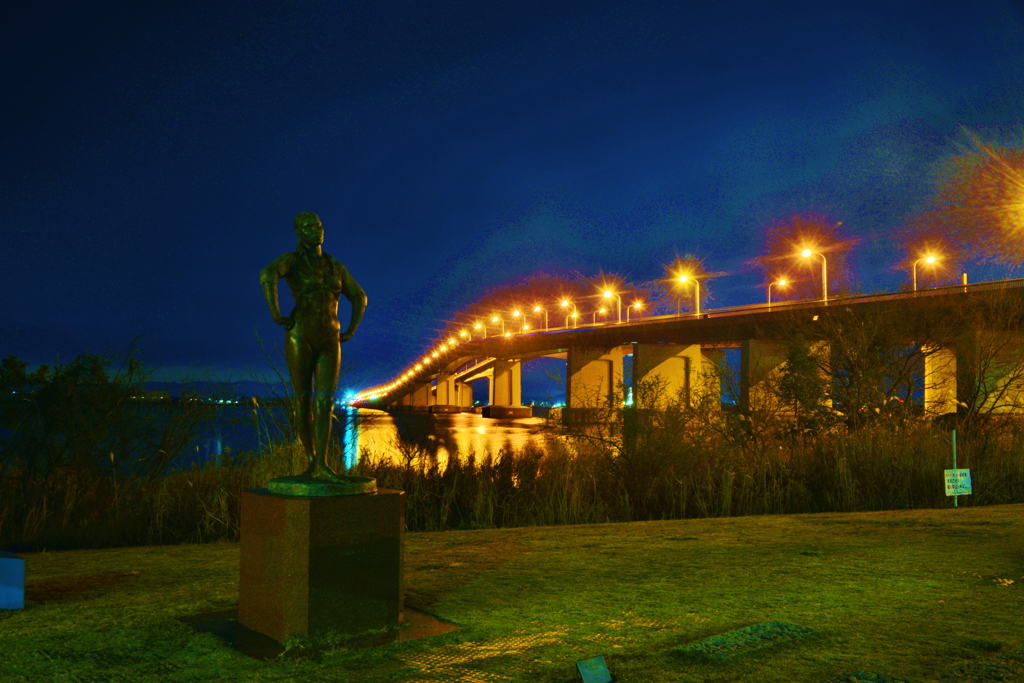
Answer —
310 565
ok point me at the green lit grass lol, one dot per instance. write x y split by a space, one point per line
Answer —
913 594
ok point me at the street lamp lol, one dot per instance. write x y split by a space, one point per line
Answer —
566 304
608 294
496 319
478 326
780 283
806 253
696 289
927 259
637 305
602 312
538 309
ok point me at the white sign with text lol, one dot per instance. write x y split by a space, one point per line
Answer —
958 482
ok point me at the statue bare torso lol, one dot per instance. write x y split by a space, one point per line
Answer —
313 335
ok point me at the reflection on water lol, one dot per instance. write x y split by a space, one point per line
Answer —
382 434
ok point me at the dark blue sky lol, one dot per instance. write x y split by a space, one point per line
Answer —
154 154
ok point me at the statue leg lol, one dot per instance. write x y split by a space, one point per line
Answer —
328 364
300 367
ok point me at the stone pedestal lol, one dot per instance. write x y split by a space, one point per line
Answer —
315 564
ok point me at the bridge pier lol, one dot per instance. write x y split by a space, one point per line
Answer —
446 399
465 394
420 398
593 375
940 380
990 371
761 367
506 391
686 371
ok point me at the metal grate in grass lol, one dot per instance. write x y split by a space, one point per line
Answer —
747 639
463 662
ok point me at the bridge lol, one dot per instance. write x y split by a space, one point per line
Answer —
676 349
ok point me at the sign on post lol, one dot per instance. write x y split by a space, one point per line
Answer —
958 482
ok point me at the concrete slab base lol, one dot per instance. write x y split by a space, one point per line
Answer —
507 412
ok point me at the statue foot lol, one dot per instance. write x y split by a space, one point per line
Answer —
321 472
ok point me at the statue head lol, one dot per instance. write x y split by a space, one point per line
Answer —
308 229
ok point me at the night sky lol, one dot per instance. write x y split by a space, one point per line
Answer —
155 154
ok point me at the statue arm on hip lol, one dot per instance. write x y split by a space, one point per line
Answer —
268 278
357 297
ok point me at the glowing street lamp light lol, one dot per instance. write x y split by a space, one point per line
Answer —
780 283
496 319
608 294
696 289
602 312
637 305
538 309
806 253
566 304
926 259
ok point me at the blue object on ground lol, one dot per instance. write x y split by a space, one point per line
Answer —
592 670
12 581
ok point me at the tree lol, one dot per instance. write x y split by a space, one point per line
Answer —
805 386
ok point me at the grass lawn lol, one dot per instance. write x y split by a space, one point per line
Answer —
921 595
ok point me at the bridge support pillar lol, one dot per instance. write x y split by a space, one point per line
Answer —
593 376
420 399
445 400
940 380
506 391
687 373
990 371
761 362
465 393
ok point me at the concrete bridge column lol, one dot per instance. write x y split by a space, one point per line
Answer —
990 371
421 397
465 394
446 400
761 362
506 391
593 376
686 371
940 385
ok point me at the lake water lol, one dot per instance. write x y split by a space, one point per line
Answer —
378 431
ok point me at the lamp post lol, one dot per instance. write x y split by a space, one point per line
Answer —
926 259
601 311
608 294
496 319
538 309
479 326
780 283
806 253
565 305
635 305
696 289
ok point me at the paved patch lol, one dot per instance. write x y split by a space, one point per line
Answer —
865 677
747 639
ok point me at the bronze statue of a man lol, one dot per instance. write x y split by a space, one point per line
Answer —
313 336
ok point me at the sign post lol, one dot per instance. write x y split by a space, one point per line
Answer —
958 482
